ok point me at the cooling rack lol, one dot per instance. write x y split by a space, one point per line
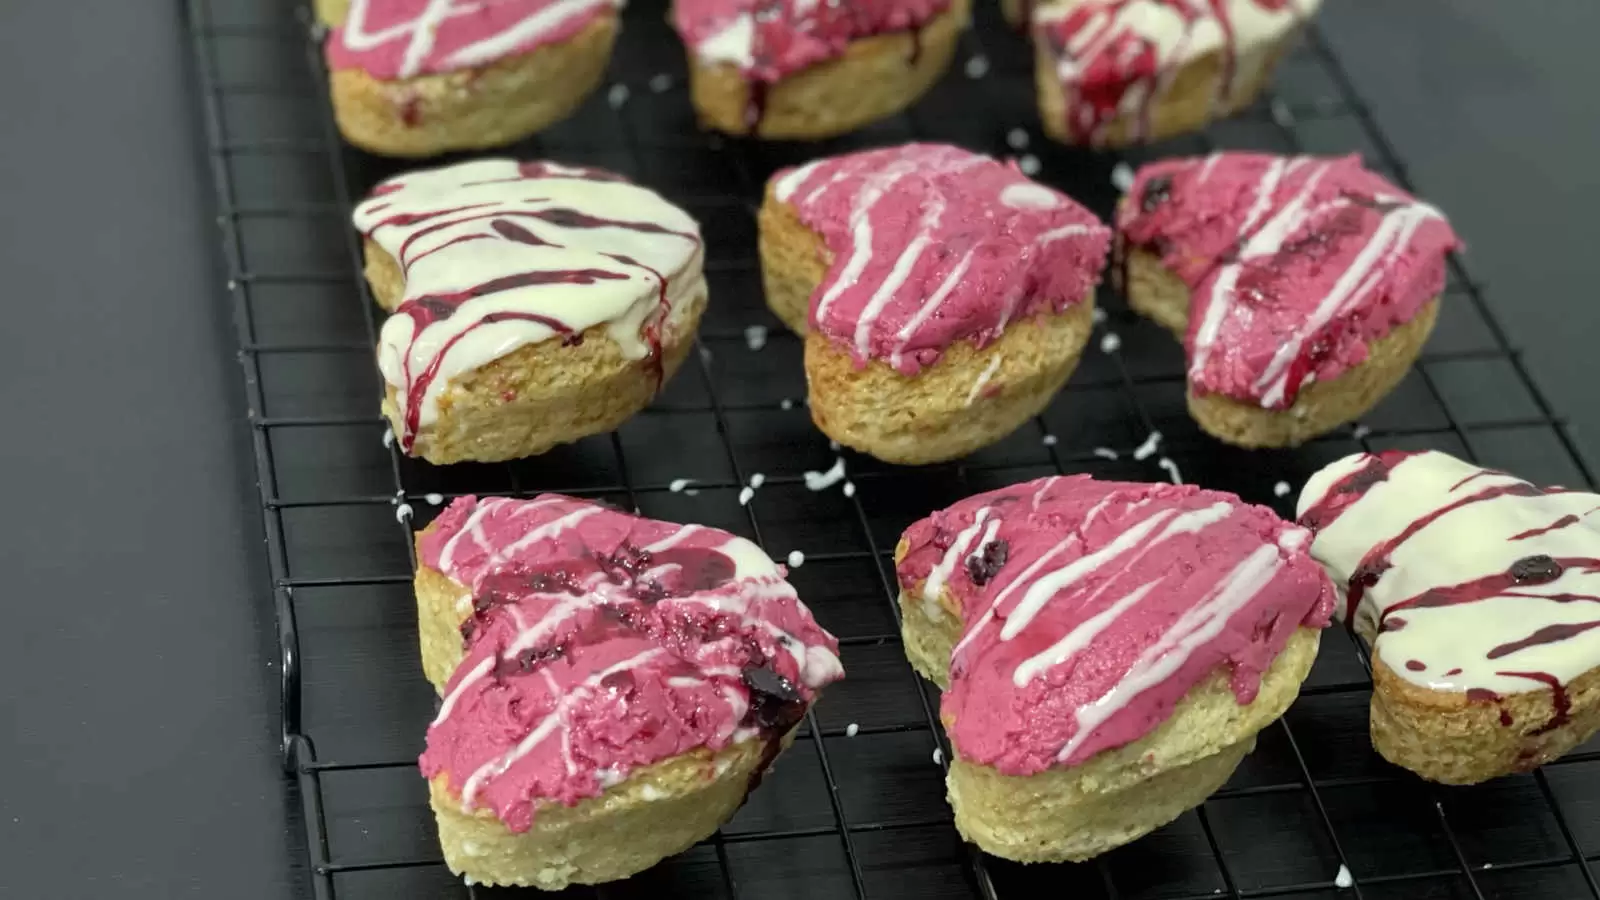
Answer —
856 808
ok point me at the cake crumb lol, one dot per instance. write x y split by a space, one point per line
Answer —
755 337
433 499
1029 164
617 96
1111 343
796 559
1281 489
1148 449
678 484
402 512
1106 453
661 83
938 756
852 730
1049 440
821 481
1344 879
849 488
1017 139
746 495
1122 177
978 66
1171 469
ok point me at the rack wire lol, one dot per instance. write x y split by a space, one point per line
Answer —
859 809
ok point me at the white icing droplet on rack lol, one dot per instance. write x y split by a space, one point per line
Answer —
1281 489
1111 343
434 499
691 492
1029 164
1029 196
786 403
849 488
678 484
1360 432
402 512
821 481
1282 114
1050 440
852 730
757 480
938 756
746 495
1017 139
1099 315
1148 449
617 96
705 353
796 559
661 83
1344 879
833 445
978 66
755 336
1122 177
1488 865
399 496
1105 453
388 436
1171 469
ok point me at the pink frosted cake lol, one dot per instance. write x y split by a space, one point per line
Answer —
1303 287
1119 72
1108 650
420 77
809 68
944 296
613 686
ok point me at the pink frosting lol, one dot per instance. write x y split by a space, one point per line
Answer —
932 244
1090 608
600 642
771 39
1294 264
391 39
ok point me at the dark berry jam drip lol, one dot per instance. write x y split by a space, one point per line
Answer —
1561 703
1374 469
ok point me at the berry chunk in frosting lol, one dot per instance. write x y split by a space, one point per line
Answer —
1465 579
599 642
768 40
1091 608
395 39
1294 264
1117 59
932 244
498 254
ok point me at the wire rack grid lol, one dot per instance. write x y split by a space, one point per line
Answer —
857 808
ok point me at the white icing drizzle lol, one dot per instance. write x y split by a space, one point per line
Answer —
947 564
1537 626
821 481
983 379
451 230
1194 628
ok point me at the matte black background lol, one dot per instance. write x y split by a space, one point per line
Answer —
140 744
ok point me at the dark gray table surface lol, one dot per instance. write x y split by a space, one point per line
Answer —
140 744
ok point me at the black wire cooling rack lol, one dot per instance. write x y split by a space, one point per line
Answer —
857 807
